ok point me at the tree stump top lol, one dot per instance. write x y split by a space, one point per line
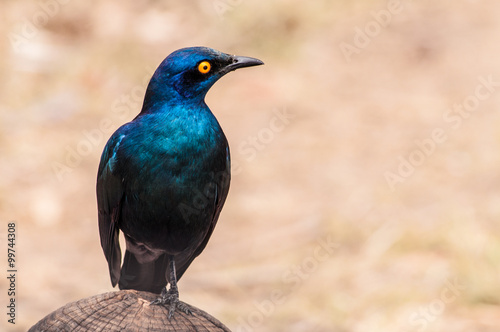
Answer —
126 310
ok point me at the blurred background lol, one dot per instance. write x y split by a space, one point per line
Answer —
365 194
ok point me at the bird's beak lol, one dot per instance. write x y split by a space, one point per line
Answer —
241 62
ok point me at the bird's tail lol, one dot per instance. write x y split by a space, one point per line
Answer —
149 277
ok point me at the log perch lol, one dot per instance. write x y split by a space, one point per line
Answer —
126 310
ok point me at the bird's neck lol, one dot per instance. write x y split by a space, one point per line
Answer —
193 127
171 110
160 97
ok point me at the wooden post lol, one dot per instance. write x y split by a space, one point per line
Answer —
126 310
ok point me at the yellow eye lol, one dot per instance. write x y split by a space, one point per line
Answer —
204 67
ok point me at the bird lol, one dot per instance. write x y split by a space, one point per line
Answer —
164 176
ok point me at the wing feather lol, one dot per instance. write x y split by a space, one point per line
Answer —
110 193
183 260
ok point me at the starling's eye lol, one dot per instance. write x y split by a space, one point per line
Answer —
204 67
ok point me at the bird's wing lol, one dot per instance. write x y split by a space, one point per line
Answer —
183 260
110 193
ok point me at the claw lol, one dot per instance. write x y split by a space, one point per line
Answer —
171 296
176 304
172 299
162 297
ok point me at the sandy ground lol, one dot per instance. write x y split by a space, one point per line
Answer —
365 194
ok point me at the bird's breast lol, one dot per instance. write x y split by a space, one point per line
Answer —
174 158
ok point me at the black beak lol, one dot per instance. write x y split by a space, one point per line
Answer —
241 62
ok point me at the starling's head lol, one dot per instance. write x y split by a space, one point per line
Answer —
188 73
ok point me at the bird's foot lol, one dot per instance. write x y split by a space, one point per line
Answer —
172 299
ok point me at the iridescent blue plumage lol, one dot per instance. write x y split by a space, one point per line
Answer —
163 177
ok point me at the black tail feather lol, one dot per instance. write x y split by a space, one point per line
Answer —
149 277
